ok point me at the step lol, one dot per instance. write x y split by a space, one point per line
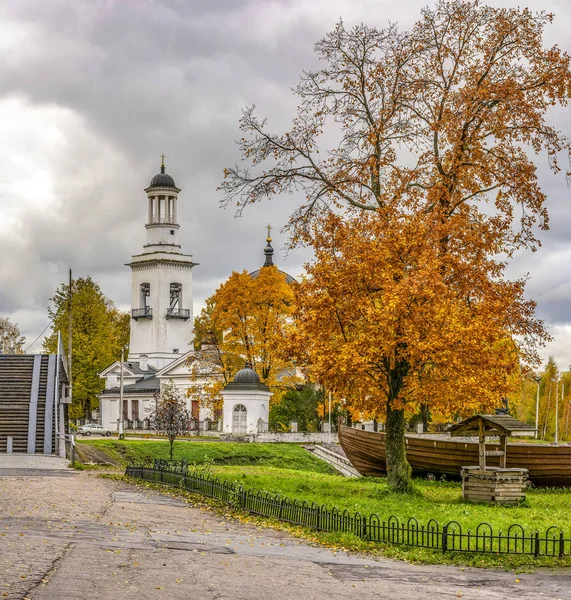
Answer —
338 462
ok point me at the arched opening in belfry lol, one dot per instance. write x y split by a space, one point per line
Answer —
145 300
175 296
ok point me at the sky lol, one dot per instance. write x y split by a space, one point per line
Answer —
92 92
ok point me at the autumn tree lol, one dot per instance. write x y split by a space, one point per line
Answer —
170 416
99 331
248 319
384 326
11 340
440 123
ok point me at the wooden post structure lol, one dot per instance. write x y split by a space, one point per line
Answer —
482 444
492 484
504 449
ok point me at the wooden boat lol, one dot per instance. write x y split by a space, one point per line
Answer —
548 465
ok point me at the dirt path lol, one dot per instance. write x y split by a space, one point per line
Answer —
67 535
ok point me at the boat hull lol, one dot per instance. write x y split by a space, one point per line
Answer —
547 465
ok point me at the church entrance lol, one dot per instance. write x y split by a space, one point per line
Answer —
239 417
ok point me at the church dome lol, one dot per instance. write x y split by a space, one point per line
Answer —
269 261
247 375
162 179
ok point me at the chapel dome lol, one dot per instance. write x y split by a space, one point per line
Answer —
247 375
162 179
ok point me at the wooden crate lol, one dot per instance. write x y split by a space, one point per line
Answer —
493 485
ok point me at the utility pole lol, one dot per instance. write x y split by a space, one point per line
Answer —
69 329
121 424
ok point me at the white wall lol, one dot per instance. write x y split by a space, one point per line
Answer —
257 403
158 337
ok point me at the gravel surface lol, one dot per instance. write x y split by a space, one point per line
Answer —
81 536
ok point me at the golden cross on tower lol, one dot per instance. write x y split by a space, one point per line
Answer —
269 233
162 160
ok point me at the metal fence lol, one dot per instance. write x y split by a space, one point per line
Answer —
447 538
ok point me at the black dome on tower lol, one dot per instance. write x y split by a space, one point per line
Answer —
162 179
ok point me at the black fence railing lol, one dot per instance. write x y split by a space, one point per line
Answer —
448 538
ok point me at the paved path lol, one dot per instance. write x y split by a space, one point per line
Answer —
77 535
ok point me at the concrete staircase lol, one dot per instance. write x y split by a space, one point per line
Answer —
26 382
338 461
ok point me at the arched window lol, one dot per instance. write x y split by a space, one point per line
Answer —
145 300
239 420
145 295
176 295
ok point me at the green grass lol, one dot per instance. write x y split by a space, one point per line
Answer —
287 456
437 500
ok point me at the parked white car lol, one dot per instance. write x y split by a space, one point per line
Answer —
93 429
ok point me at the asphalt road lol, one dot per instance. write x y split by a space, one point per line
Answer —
67 535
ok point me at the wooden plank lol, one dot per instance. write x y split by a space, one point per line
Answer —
503 450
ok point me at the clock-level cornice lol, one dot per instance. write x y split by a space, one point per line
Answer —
153 260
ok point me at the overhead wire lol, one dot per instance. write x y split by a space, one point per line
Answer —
39 336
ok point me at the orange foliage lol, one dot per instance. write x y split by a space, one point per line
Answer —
249 319
384 314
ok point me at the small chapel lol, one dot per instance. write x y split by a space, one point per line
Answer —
161 329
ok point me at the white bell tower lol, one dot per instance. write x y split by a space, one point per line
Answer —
161 296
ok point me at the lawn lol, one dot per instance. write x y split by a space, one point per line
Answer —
437 500
286 456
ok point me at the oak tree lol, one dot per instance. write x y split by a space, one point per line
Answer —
440 122
390 324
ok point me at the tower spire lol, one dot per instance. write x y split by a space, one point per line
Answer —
268 250
162 163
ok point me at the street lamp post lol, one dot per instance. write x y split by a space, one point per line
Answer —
330 417
121 434
538 379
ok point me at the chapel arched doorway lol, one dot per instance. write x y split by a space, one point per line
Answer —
239 418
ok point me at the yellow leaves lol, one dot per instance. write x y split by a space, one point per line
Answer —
384 302
251 319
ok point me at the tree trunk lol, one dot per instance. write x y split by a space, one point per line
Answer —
172 444
425 415
398 469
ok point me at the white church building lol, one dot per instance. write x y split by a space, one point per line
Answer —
161 315
161 330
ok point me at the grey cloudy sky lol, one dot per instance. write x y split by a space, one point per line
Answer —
93 91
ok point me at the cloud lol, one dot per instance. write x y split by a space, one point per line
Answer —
92 93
